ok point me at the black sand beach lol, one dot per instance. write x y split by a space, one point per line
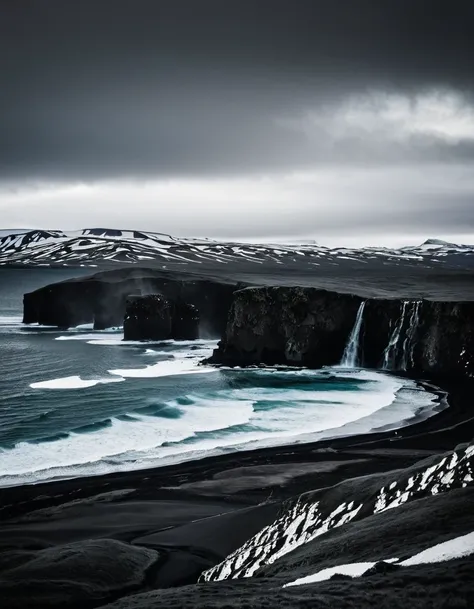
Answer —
194 514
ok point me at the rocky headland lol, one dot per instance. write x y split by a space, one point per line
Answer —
101 299
300 326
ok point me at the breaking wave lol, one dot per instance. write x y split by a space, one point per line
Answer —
253 409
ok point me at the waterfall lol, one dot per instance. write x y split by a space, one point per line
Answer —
390 352
349 359
406 345
409 343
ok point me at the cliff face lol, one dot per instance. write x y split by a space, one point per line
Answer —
101 299
420 337
153 317
296 326
314 328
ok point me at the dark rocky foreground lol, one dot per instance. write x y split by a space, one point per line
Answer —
142 539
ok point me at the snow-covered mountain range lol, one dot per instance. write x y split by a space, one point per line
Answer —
96 247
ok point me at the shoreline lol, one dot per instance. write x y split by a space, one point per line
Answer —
192 515
437 432
254 446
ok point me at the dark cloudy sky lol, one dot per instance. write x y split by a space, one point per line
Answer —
337 120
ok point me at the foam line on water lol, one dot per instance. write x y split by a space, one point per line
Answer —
115 337
222 420
73 382
10 320
165 368
87 336
121 442
108 342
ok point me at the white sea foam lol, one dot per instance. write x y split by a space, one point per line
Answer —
188 363
103 338
73 382
123 442
97 335
109 342
10 320
233 419
165 368
114 336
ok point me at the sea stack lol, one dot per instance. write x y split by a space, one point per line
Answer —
154 317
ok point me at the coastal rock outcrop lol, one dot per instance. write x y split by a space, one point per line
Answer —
147 317
86 574
294 326
154 317
186 319
312 327
101 299
419 337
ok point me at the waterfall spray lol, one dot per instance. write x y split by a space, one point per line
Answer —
395 344
409 343
349 359
391 349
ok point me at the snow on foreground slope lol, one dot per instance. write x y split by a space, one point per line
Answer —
459 547
315 513
94 246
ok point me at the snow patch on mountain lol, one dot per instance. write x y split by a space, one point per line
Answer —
92 246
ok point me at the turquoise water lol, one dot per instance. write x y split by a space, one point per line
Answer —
82 402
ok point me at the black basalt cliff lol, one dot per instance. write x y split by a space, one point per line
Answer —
154 317
279 325
311 327
101 299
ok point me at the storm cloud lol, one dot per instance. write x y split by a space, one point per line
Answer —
180 104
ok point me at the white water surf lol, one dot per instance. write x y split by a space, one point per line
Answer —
213 422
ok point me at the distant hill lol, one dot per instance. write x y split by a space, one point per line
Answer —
105 247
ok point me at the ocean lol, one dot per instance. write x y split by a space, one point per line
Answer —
81 402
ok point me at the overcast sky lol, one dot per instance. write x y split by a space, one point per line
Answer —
342 121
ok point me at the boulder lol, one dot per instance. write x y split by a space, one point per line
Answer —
76 575
381 568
